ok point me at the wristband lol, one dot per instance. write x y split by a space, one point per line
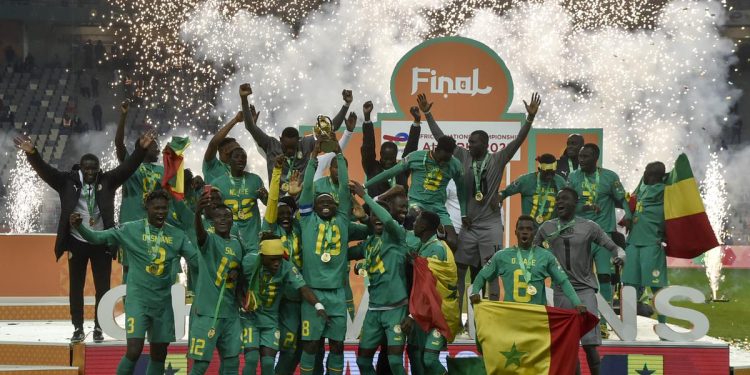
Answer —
319 306
417 123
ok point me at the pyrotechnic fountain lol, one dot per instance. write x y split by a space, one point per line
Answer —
714 193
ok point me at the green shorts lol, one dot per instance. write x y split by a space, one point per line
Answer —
645 266
349 298
158 322
431 340
289 321
445 218
383 323
314 327
602 260
226 337
254 337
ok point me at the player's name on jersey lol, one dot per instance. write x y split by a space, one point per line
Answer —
229 251
525 262
244 191
164 239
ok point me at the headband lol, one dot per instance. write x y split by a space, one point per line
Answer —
272 247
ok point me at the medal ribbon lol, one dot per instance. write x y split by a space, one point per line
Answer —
90 201
334 190
218 302
591 189
540 201
478 173
327 237
290 240
151 247
239 192
560 229
519 257
290 166
570 166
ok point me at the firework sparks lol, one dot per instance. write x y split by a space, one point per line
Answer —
26 200
714 193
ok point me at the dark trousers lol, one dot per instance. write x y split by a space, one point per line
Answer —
80 253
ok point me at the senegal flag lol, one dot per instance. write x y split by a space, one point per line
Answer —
687 228
174 167
522 338
434 298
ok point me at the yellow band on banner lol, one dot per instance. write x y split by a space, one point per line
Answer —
446 275
515 337
682 199
180 178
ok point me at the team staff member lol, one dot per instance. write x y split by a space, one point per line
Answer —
88 190
153 248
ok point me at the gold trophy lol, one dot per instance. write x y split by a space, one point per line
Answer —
324 132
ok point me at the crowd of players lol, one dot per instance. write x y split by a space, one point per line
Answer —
279 283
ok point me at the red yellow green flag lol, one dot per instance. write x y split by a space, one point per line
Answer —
174 167
434 297
522 338
687 228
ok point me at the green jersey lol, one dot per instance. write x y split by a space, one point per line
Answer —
433 248
241 194
152 254
601 190
385 258
270 287
537 196
220 256
648 219
135 189
429 179
214 169
324 242
520 269
326 185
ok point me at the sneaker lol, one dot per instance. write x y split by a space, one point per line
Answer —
604 331
78 336
98 335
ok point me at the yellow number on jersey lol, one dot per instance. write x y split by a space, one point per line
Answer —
247 335
518 286
220 275
432 179
305 328
289 341
335 239
247 208
156 267
377 266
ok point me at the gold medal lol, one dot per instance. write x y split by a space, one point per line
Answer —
325 258
478 196
211 333
285 187
539 219
545 244
92 222
362 272
531 290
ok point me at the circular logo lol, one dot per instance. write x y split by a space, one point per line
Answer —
436 334
397 328
277 334
656 273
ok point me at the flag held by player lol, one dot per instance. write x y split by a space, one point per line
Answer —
687 228
433 302
520 338
174 167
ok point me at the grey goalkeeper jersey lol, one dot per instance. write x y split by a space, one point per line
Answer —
572 247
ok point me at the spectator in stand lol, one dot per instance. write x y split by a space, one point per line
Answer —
96 114
94 86
99 52
29 63
10 55
88 55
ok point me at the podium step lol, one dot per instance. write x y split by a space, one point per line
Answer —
38 370
41 308
33 354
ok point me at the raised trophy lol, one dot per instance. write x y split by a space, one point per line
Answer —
324 132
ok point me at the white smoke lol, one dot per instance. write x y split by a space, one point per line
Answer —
656 92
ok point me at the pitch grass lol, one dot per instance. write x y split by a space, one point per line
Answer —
726 319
